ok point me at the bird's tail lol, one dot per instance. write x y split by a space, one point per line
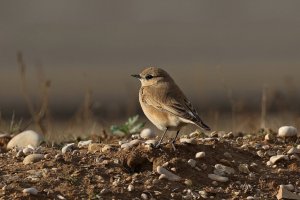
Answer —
201 124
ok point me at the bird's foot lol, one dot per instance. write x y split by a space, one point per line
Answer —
173 146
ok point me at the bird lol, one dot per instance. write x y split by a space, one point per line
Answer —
164 104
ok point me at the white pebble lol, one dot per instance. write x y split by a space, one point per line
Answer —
287 131
277 158
187 141
167 174
32 158
130 188
31 190
200 154
67 147
86 143
293 150
192 162
147 133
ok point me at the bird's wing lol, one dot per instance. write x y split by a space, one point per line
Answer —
173 101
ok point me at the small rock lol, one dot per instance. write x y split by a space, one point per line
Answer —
94 147
260 153
167 174
283 193
130 144
289 187
200 154
147 133
277 158
188 182
106 147
265 147
287 131
130 188
227 155
144 196
250 198
150 142
28 150
244 168
203 194
222 170
192 162
32 158
67 147
187 140
218 178
86 143
269 137
61 197
32 191
293 150
20 154
24 139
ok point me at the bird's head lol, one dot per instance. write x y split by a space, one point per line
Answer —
153 75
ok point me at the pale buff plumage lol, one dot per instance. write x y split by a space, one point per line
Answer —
164 103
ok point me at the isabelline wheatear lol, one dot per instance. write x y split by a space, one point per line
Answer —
164 103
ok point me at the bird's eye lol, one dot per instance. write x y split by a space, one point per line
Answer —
148 77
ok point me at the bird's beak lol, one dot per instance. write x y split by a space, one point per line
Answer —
136 76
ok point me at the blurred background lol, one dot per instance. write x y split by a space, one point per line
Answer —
237 61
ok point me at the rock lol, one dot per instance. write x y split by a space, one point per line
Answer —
28 150
83 144
94 147
32 191
20 154
130 144
192 162
147 133
287 131
150 142
144 196
187 141
32 158
293 150
250 198
244 168
277 158
269 137
222 170
106 147
218 178
24 139
130 188
167 174
188 182
283 193
200 154
61 197
289 187
260 153
67 147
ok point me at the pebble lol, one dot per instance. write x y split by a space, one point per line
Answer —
150 142
147 133
284 193
250 198
277 158
218 178
188 182
293 150
187 140
106 148
227 155
203 194
130 144
260 153
20 154
83 144
28 150
244 168
287 131
269 137
32 158
200 154
192 162
94 147
144 196
67 148
61 197
130 188
24 139
167 174
31 190
289 187
222 170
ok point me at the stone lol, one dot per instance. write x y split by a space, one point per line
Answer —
150 142
67 148
222 170
289 187
167 174
269 137
200 154
284 193
227 155
106 148
130 188
32 158
94 147
293 150
147 133
28 150
24 139
32 191
131 144
287 131
218 178
83 144
187 140
277 158
244 168
192 162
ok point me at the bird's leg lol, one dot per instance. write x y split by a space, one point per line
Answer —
174 140
161 139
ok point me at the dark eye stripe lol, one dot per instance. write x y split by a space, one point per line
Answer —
148 77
